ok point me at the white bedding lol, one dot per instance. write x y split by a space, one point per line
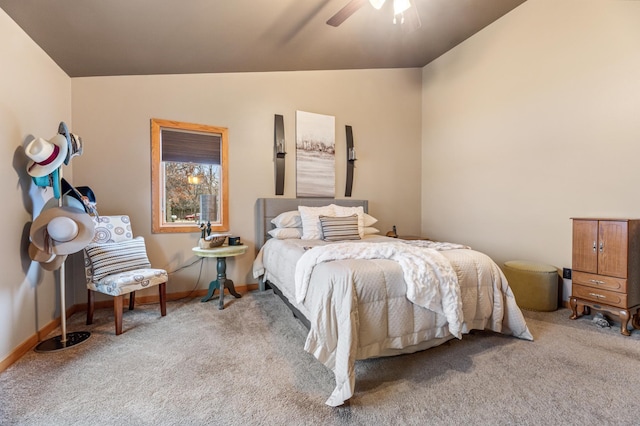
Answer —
358 308
430 279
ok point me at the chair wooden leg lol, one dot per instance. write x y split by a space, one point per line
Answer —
118 302
132 300
90 299
163 298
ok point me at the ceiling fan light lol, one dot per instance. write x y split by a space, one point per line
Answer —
376 3
399 6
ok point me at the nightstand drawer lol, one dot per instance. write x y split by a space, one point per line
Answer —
599 295
600 281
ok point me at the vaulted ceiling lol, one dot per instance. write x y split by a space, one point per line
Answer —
136 37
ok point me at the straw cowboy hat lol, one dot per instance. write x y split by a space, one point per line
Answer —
48 262
74 142
62 230
46 155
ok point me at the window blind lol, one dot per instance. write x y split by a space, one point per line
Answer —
190 147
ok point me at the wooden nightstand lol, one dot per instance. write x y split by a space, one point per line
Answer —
393 234
413 237
606 269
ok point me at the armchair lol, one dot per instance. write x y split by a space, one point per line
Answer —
116 264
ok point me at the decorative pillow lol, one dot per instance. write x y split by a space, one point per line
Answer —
368 230
112 258
340 228
289 219
286 233
311 229
346 211
369 220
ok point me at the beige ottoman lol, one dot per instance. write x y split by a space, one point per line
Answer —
534 285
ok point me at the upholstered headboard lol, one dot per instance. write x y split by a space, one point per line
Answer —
269 208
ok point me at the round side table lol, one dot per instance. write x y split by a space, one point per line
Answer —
221 253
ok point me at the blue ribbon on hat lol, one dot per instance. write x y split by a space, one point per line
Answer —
52 179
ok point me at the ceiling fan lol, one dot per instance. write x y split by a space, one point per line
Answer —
403 12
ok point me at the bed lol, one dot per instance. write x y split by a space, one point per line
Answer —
363 295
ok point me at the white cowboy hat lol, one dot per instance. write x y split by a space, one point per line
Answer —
62 230
48 262
46 155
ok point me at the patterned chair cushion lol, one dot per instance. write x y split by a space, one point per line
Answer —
112 258
128 281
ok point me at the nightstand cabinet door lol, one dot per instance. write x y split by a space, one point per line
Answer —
585 246
613 248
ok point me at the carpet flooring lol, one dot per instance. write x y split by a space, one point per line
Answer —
245 365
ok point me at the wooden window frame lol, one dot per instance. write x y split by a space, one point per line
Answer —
159 225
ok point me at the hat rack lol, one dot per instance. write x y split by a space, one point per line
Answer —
64 340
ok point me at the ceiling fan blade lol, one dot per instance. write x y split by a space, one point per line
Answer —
411 19
348 10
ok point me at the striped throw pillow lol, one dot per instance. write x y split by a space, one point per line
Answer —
340 228
112 258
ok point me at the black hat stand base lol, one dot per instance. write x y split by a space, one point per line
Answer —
56 343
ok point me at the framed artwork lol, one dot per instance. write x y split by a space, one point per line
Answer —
315 155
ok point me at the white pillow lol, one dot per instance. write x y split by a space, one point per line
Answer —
368 230
311 229
348 211
289 219
286 233
369 220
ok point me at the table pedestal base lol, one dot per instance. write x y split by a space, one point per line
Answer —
221 283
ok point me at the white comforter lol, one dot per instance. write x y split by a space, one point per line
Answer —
431 281
359 308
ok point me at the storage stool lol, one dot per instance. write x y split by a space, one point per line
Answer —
534 285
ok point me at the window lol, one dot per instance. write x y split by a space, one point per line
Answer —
189 176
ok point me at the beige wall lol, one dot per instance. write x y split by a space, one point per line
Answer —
35 97
531 122
112 115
